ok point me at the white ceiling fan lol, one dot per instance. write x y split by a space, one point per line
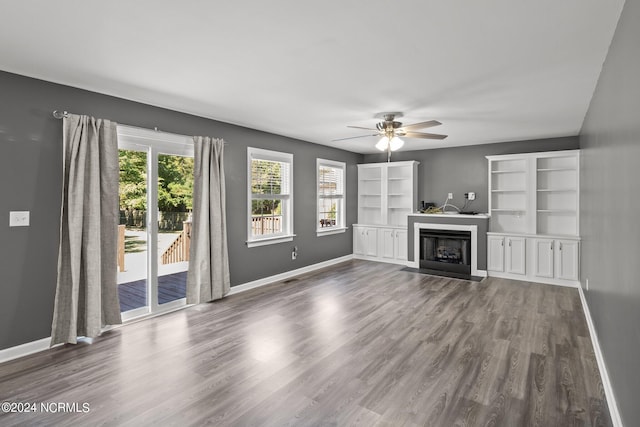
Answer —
390 130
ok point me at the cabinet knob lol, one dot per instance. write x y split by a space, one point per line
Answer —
501 242
509 242
560 245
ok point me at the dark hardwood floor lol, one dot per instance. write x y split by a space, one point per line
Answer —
361 343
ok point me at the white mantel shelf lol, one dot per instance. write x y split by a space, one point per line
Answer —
479 216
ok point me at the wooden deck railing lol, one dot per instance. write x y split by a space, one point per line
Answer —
178 251
266 225
121 248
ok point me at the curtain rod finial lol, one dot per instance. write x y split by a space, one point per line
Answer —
59 114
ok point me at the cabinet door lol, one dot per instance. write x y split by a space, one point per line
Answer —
567 259
401 245
359 240
515 255
371 248
495 253
544 257
388 238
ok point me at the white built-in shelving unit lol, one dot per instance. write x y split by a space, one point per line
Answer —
387 194
534 206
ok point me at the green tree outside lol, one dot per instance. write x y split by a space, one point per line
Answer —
266 178
175 182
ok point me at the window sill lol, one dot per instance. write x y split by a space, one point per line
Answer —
270 241
330 231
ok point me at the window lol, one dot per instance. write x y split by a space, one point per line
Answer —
269 177
331 200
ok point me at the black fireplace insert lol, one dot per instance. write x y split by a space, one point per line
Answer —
445 250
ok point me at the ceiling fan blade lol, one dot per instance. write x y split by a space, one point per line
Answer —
422 125
360 127
424 135
354 137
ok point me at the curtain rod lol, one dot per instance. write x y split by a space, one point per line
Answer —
64 114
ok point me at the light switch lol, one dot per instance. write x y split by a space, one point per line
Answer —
19 219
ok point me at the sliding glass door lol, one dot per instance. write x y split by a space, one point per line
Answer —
156 170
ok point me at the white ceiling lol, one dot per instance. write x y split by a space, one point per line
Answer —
490 71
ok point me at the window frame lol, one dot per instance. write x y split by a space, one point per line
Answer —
287 234
342 227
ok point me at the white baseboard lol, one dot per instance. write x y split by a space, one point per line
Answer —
24 349
606 383
543 280
287 274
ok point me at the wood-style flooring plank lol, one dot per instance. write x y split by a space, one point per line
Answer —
360 343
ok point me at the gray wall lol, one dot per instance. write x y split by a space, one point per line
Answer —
609 208
30 179
459 170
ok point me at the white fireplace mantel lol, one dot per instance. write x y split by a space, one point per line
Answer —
457 227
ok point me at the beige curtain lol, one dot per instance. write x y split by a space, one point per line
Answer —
208 276
86 293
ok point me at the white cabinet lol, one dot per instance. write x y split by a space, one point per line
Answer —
380 243
534 258
557 259
495 253
568 256
393 244
515 259
388 243
400 245
506 254
365 241
544 258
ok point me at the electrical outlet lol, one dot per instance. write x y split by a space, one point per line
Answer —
471 195
294 253
19 219
449 196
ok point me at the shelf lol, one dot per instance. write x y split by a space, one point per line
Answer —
399 179
397 194
566 211
369 207
403 207
555 169
371 195
509 171
370 179
508 191
508 210
556 190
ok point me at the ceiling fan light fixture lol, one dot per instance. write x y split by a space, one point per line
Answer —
383 143
396 143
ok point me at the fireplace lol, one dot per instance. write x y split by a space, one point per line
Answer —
445 250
